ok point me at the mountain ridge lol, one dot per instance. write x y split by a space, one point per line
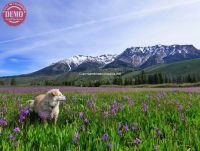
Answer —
133 57
140 57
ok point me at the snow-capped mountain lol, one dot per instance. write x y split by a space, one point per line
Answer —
134 57
77 63
140 57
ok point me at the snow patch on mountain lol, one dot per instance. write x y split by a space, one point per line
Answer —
137 56
77 60
132 57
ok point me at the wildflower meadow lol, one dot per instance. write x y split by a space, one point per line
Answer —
115 119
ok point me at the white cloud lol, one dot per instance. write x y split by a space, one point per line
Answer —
132 15
14 60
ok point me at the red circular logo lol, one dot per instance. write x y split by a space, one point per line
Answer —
14 13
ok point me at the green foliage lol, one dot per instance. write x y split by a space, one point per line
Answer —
117 80
2 83
13 82
162 113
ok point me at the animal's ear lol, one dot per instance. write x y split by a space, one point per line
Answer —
53 92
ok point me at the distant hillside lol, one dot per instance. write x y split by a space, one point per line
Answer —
178 68
173 60
181 68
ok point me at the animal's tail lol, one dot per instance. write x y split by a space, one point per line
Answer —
31 103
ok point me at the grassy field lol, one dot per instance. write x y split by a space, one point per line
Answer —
120 119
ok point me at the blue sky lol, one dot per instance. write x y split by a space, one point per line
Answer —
58 29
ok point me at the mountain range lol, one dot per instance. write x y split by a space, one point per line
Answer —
173 59
134 57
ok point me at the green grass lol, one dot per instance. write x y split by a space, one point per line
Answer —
35 135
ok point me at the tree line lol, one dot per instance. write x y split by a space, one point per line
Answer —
141 78
12 82
156 78
160 78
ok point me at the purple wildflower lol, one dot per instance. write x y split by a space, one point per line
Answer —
75 139
104 137
26 111
81 114
156 129
129 101
183 117
76 134
144 107
180 108
134 127
11 136
114 108
16 130
126 127
3 122
85 120
22 117
158 132
136 141
120 133
110 145
113 111
91 104
15 143
23 113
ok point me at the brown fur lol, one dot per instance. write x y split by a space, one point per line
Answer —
54 92
38 99
48 103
